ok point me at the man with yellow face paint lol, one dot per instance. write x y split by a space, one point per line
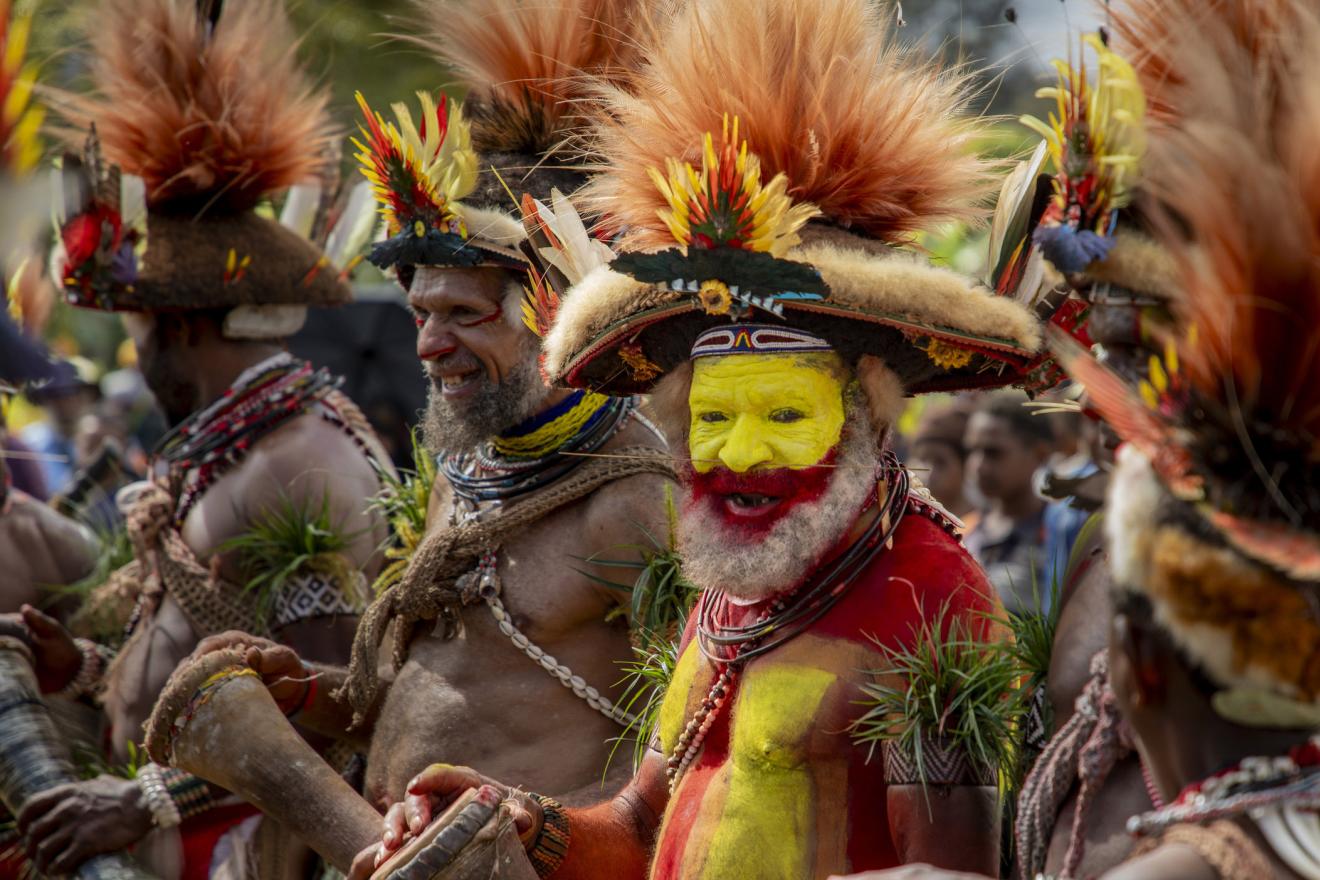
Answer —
779 335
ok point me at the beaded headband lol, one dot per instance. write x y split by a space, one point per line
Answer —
755 339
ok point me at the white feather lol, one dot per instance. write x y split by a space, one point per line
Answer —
355 227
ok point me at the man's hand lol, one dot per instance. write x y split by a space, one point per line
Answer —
68 824
280 667
56 657
433 790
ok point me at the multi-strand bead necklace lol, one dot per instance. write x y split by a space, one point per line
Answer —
579 427
1248 787
201 448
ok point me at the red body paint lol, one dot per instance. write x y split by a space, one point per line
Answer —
902 587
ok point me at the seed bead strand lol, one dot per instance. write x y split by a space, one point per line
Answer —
695 731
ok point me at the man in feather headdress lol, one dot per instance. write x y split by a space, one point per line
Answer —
1213 539
202 115
1097 233
507 638
762 283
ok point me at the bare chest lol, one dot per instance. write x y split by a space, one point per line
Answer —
490 697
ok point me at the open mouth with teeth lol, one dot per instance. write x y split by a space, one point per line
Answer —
458 384
754 501
741 504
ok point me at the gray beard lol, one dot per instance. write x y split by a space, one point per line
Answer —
717 557
494 407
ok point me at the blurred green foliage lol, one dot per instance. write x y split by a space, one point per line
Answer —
344 44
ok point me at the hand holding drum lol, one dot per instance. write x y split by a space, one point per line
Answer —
216 720
32 754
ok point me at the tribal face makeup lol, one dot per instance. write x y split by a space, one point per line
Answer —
765 411
782 464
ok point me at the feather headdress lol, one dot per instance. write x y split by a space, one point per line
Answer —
206 105
527 64
1147 34
20 119
446 185
773 155
209 112
1096 139
874 136
1229 414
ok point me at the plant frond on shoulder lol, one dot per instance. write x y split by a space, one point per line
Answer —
403 500
947 685
291 538
647 678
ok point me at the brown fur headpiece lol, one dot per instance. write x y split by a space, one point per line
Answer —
845 145
204 103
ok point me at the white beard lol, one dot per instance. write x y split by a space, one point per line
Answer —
718 557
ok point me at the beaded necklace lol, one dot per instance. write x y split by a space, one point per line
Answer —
201 448
730 648
545 432
1252 785
485 475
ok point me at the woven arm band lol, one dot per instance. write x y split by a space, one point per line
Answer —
174 795
91 672
551 845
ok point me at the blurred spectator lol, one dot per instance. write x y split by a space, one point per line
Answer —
1006 444
939 458
108 460
41 549
24 472
64 400
1077 484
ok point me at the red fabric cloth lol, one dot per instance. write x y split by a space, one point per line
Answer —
202 832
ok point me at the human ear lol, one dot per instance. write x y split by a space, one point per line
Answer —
1146 679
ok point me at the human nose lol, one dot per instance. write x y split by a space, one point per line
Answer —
434 339
745 448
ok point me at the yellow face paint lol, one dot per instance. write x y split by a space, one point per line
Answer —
771 411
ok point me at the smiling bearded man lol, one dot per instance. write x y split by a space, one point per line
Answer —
784 331
770 490
506 640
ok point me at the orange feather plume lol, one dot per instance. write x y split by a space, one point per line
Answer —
875 137
210 116
526 63
1147 33
1242 176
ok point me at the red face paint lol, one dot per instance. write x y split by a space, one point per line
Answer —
752 502
484 319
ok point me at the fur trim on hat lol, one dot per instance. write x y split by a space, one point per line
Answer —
904 285
888 284
493 230
602 298
1247 627
1138 263
1134 497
